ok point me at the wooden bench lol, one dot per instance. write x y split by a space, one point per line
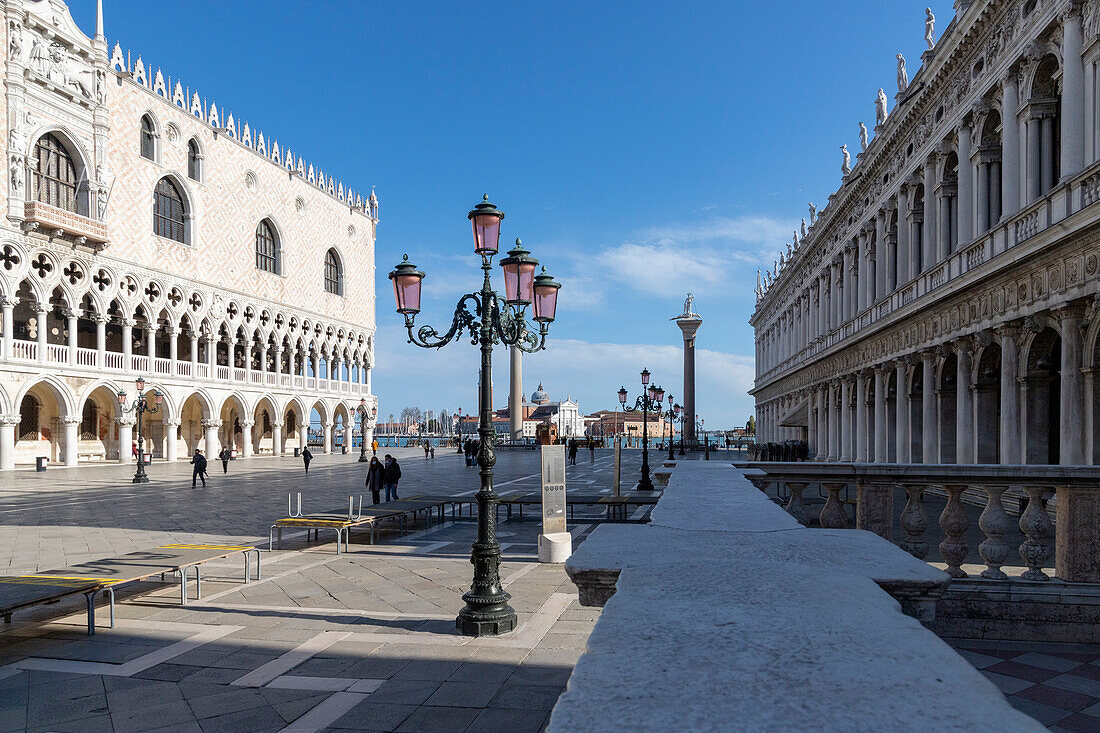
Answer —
104 575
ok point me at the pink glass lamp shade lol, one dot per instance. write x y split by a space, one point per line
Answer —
519 275
406 287
546 297
485 219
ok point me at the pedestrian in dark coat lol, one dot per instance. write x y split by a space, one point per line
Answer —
375 479
572 453
591 450
199 472
224 457
306 458
391 474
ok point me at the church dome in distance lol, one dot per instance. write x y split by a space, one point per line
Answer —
539 397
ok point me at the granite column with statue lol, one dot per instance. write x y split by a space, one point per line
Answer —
689 323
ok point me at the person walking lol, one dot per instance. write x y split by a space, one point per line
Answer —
375 478
306 458
199 472
374 447
433 452
391 474
572 452
591 450
224 457
425 450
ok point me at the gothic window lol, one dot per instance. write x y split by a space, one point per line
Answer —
194 160
53 174
89 428
169 211
28 418
267 253
148 138
334 274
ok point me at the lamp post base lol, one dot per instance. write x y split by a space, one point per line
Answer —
492 620
140 478
363 458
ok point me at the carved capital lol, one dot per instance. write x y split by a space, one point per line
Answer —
983 339
9 420
70 420
126 420
210 423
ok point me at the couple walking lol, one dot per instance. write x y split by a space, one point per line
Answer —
385 476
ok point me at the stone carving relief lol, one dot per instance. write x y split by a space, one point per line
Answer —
57 64
15 40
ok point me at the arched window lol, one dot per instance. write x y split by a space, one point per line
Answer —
168 212
28 418
267 253
89 422
194 160
53 174
148 138
334 274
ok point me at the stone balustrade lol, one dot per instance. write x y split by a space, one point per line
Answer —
725 612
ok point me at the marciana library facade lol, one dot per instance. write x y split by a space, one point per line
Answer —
149 232
943 307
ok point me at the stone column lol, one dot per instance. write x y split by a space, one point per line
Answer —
834 422
1010 396
171 438
7 440
125 438
210 427
7 309
1010 146
101 341
882 259
246 358
263 363
1073 95
903 275
303 434
845 419
861 417
811 424
689 325
151 347
41 313
882 431
247 437
964 404
929 246
965 200
212 354
276 438
327 448
72 437
823 422
172 332
1046 137
854 285
901 413
70 324
1072 394
929 425
127 345
1033 176
1090 111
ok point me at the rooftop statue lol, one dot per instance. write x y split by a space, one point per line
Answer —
846 166
929 28
862 136
880 108
903 75
813 213
803 227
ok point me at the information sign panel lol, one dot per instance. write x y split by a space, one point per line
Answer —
553 489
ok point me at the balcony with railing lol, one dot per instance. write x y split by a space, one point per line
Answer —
81 229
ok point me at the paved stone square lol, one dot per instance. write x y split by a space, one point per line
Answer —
359 641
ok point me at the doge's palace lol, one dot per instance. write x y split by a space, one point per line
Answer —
149 232
942 307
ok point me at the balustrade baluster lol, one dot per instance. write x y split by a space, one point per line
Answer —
796 507
914 520
954 523
994 523
833 515
1036 525
875 509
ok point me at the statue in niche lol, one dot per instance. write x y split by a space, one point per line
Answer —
15 40
862 136
846 165
813 213
101 87
929 28
880 109
903 75
40 58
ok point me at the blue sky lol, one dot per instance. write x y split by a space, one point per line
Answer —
640 149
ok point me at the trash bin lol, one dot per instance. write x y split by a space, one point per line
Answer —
297 452
233 454
344 450
40 463
147 459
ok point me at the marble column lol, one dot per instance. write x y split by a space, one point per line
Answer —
834 422
882 259
882 431
72 437
211 434
101 341
1032 174
845 419
901 413
965 199
861 417
303 435
172 332
327 447
964 404
823 422
171 438
7 441
127 345
276 438
929 424
7 310
1090 111
903 275
1073 96
41 314
151 347
689 326
515 391
247 437
811 425
853 280
125 438
1010 146
70 325
930 231
1046 138
1010 396
193 336
1072 392
212 355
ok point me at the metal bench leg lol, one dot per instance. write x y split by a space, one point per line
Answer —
183 586
198 582
111 595
90 598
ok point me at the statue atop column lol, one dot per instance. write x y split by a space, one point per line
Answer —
880 109
862 137
689 303
929 28
846 165
903 75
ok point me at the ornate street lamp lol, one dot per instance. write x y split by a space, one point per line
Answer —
139 407
671 428
364 414
649 401
495 319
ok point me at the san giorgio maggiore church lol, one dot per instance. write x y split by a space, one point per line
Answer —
149 232
943 306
